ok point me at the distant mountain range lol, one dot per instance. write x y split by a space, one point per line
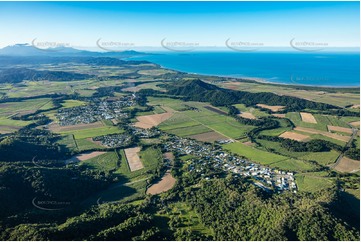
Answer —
29 50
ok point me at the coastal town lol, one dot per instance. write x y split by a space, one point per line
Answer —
95 111
206 154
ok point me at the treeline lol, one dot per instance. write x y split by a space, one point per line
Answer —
197 90
315 145
15 75
236 210
105 222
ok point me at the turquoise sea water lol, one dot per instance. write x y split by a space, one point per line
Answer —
318 69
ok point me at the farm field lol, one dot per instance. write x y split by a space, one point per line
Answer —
254 111
294 136
344 138
272 108
323 158
312 182
72 103
267 158
203 120
166 183
149 121
54 127
133 159
321 121
347 165
92 132
103 161
339 129
308 118
208 137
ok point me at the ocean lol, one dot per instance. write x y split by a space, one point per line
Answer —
315 69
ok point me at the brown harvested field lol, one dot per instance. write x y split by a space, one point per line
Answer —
208 137
248 143
133 159
247 115
216 110
308 118
356 106
279 115
294 136
165 184
114 121
339 129
272 108
6 129
324 133
84 156
356 124
169 156
54 127
149 121
348 165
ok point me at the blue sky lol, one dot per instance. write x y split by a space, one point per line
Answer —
206 23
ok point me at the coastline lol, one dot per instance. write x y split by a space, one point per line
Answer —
259 80
255 79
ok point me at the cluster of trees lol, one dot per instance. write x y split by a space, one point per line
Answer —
353 152
15 75
236 210
197 90
105 222
28 143
21 183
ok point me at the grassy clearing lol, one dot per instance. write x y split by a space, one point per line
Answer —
254 154
105 162
87 133
84 144
72 103
323 158
312 183
268 158
256 112
188 218
191 130
175 104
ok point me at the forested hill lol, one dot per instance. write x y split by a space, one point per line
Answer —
197 90
15 75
